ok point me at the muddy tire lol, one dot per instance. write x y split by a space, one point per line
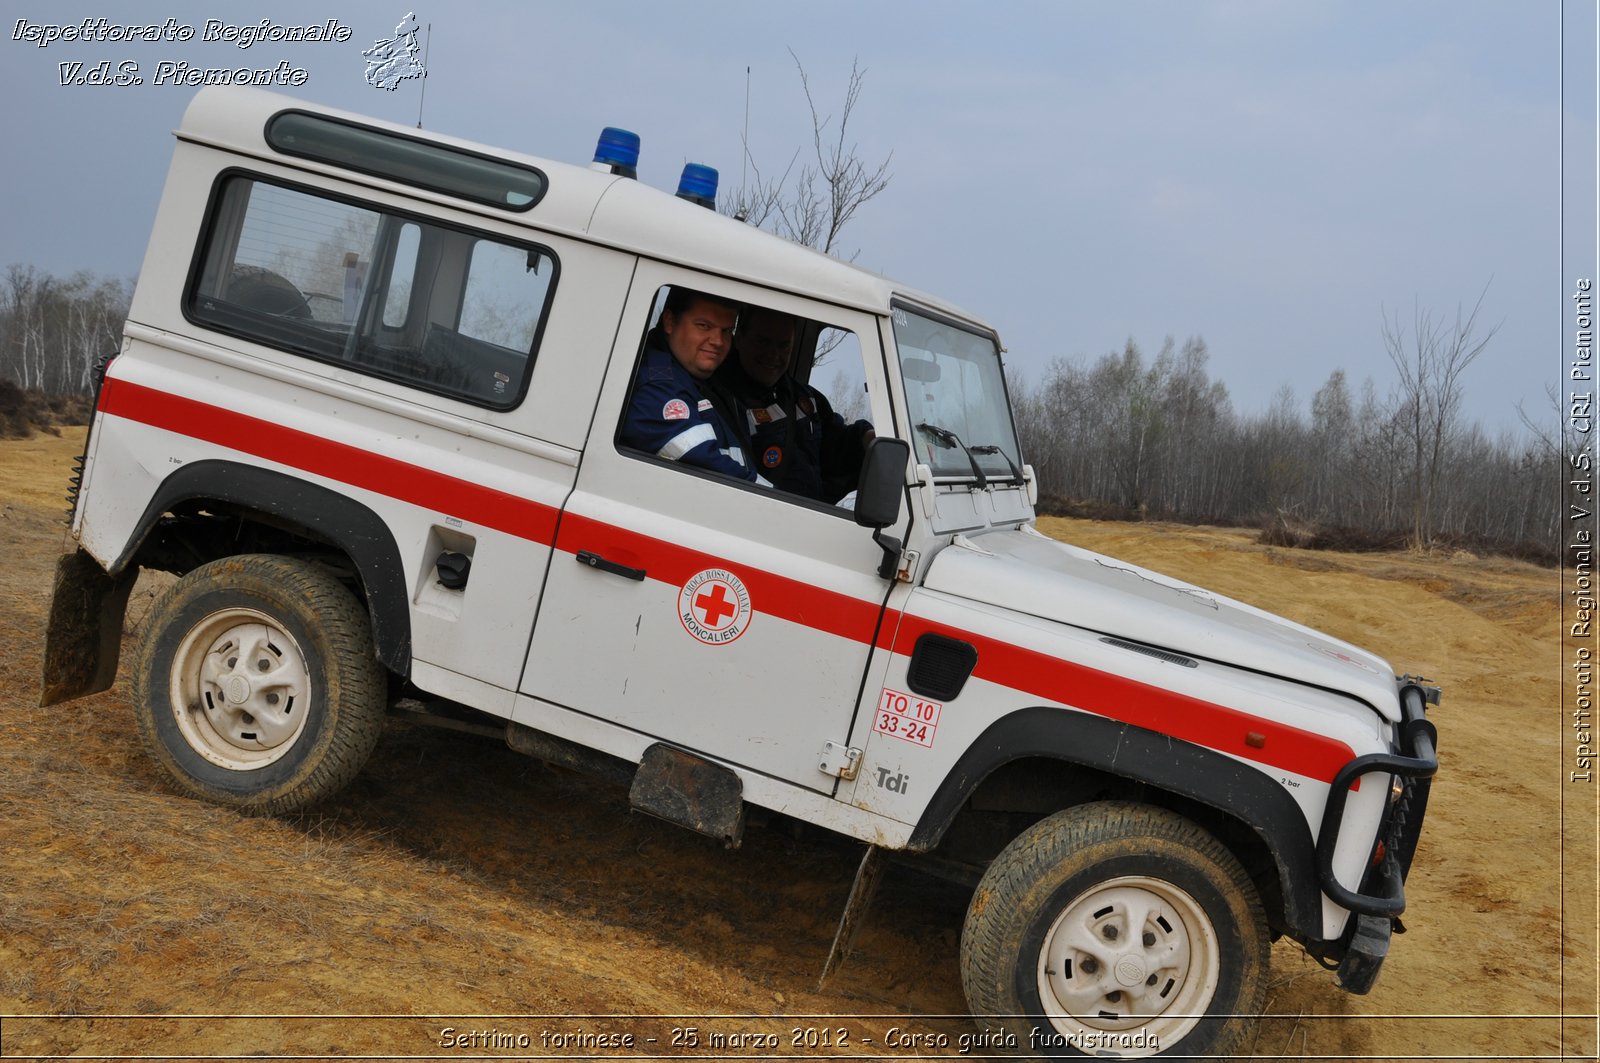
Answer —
255 684
1116 930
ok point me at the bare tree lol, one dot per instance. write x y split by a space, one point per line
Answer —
1552 432
827 192
1371 487
1431 361
28 297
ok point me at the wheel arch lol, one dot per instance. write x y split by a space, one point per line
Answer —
288 508
1015 766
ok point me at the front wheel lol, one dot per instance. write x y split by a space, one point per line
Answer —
1116 930
256 685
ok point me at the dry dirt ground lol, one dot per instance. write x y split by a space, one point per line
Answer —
458 886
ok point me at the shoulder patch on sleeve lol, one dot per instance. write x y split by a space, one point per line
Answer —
675 410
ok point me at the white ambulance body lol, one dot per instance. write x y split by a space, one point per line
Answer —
368 407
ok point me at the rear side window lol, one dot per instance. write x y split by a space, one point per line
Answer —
447 310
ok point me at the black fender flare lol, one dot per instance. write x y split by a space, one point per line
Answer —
1196 773
324 515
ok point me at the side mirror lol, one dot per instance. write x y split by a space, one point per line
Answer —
882 483
878 494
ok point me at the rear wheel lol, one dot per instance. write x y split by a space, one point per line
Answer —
256 686
1116 930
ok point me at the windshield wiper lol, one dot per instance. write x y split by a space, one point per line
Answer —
949 440
994 448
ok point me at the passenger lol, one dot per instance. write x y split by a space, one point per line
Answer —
672 413
795 437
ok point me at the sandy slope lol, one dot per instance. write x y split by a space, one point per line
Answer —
458 879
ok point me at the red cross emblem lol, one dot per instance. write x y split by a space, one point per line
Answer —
711 606
714 606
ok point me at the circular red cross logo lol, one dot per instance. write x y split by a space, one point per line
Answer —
714 606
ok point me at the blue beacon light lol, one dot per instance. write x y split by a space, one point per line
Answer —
618 152
698 185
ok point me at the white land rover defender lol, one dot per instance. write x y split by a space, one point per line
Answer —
368 410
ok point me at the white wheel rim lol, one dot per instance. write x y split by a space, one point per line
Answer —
1128 968
240 689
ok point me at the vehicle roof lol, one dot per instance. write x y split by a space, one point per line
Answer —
580 202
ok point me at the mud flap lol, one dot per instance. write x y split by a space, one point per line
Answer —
84 636
690 791
855 909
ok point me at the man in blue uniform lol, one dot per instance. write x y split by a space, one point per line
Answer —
674 410
795 437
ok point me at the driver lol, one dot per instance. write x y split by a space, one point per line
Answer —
674 410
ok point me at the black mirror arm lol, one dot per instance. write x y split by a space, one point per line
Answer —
891 547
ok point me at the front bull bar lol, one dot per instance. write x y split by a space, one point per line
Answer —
1377 911
1417 762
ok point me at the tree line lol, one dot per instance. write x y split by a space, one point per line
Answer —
1124 435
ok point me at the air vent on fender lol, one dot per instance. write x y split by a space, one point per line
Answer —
940 666
1151 651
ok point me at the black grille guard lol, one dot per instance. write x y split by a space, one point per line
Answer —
1416 763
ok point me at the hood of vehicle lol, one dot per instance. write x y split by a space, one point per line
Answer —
1031 573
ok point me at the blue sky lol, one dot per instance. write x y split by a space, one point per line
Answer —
1269 176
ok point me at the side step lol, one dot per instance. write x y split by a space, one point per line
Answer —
690 791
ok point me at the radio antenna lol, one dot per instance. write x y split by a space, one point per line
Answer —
744 156
426 48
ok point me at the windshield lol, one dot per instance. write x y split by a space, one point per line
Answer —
960 419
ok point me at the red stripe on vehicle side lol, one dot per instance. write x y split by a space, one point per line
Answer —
336 461
1153 708
1049 678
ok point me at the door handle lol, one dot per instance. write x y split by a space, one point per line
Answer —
594 560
